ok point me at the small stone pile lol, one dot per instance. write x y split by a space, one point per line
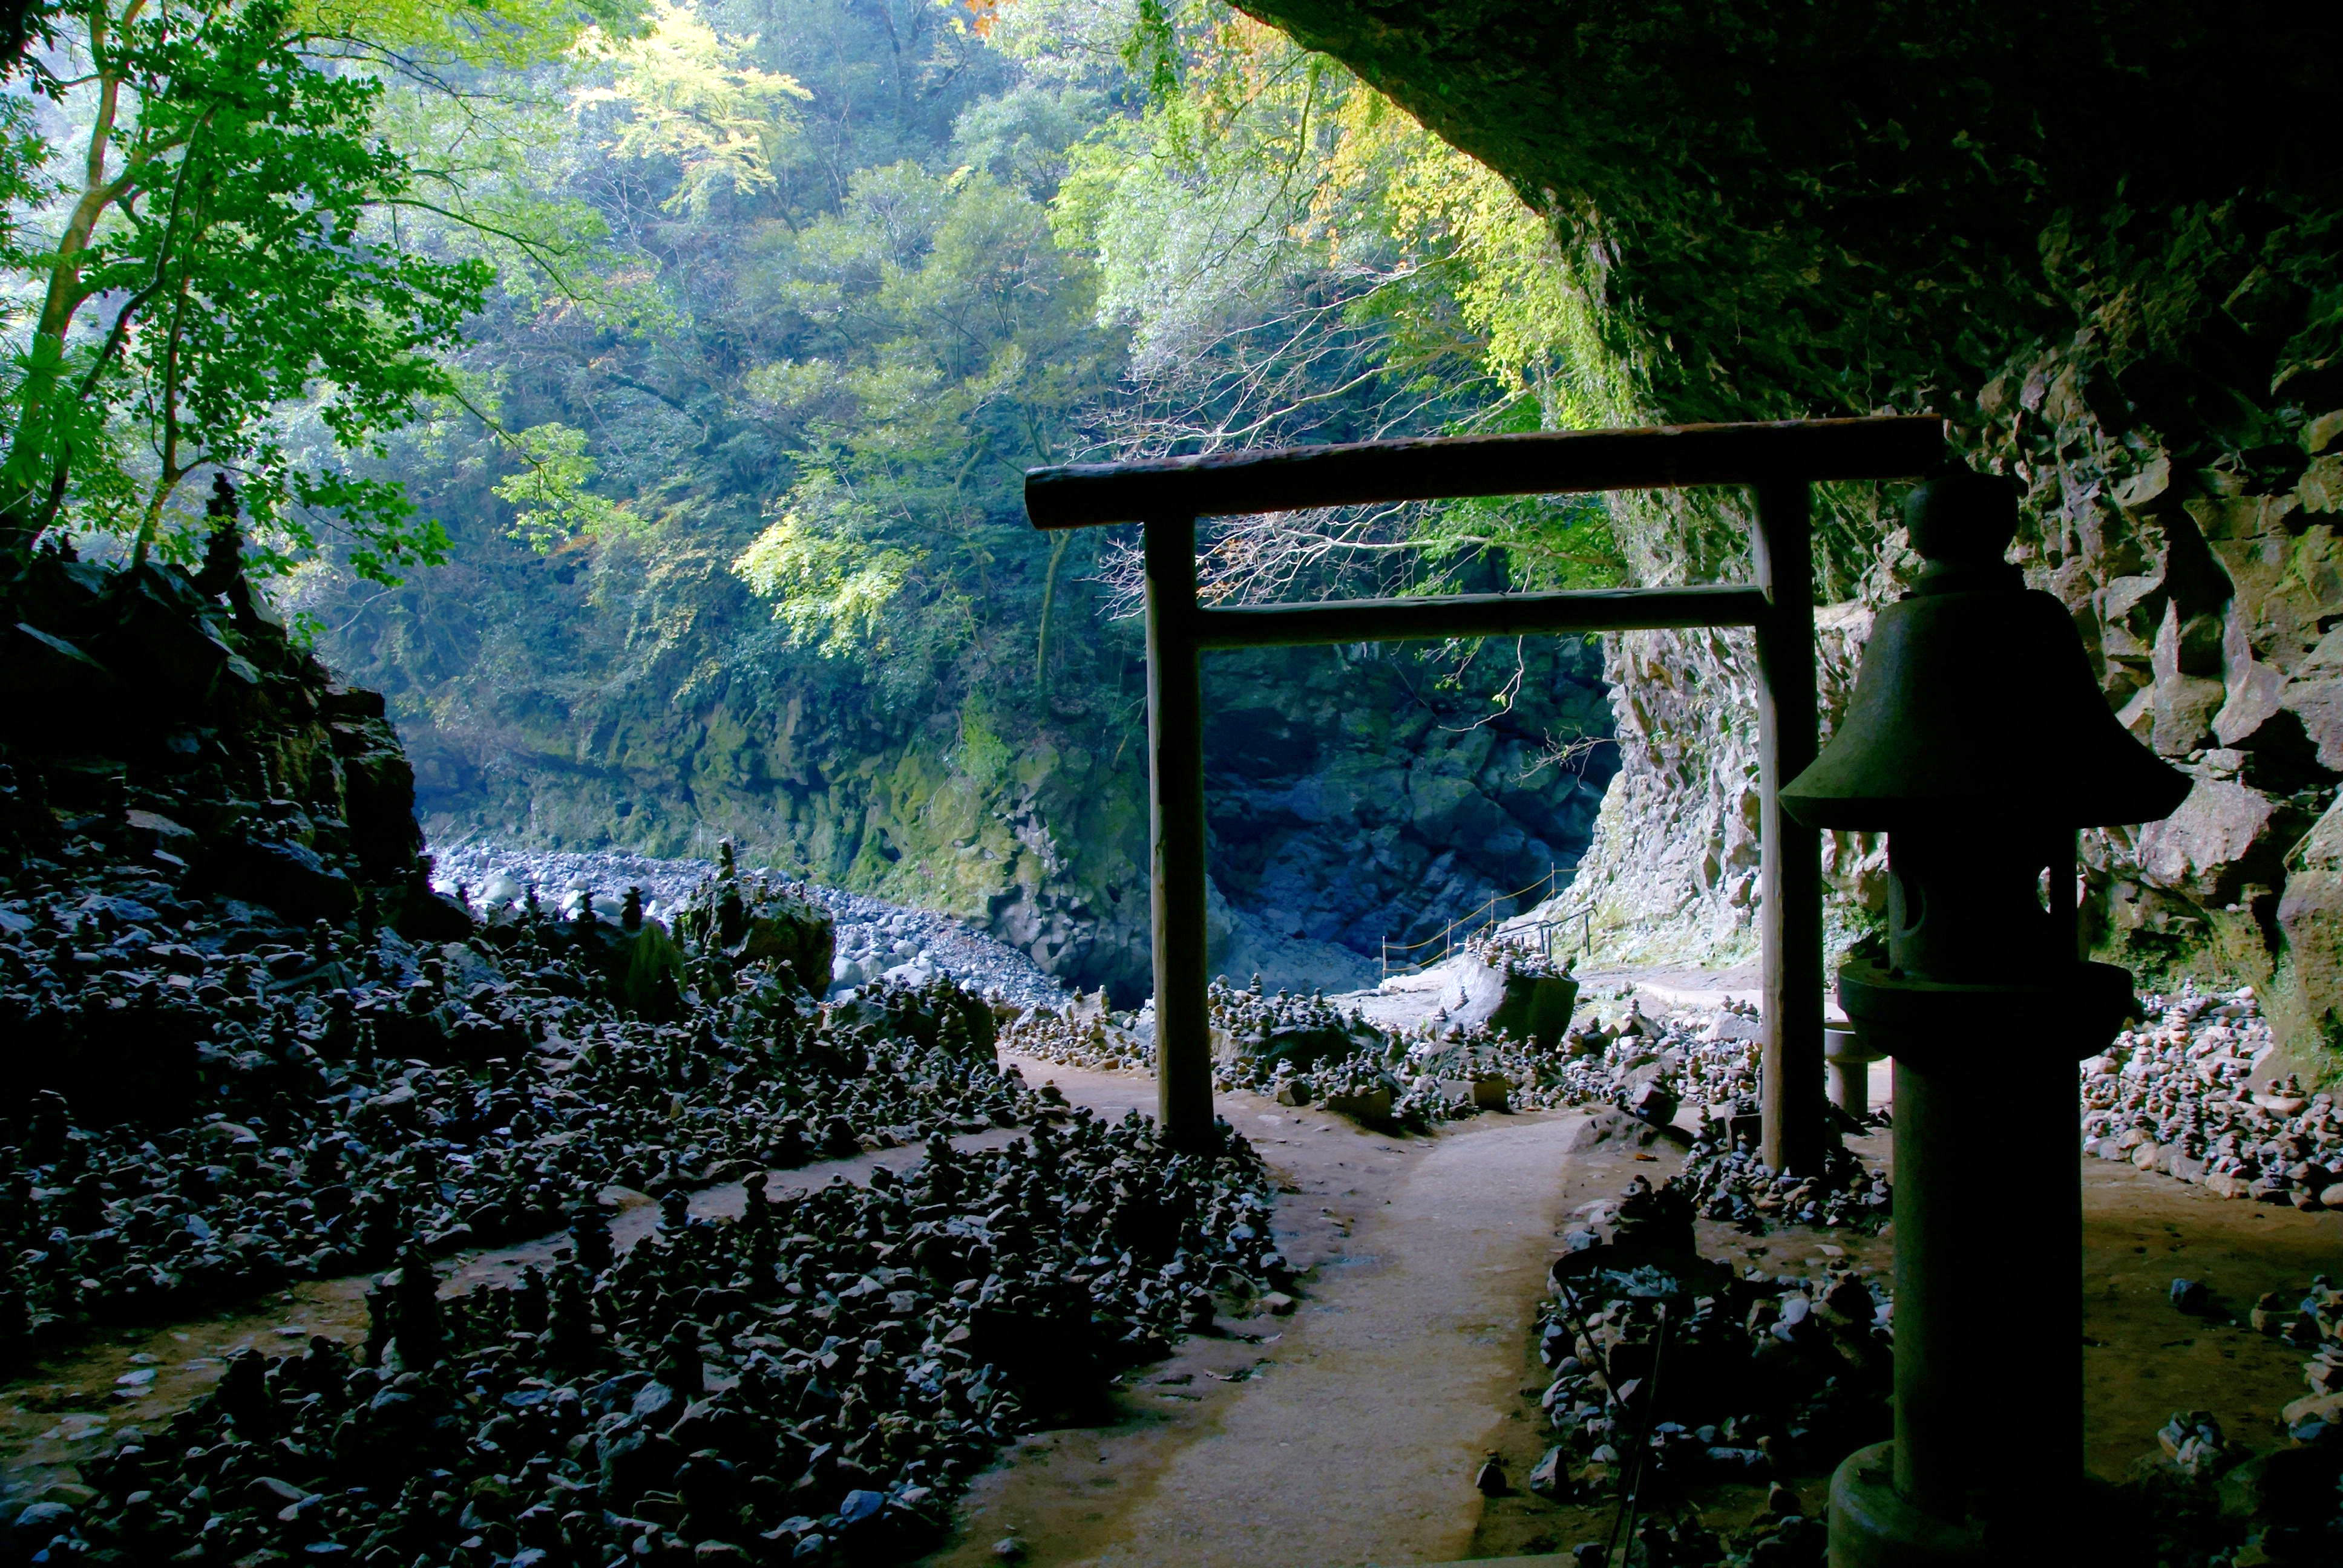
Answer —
1513 953
1657 1063
1671 1370
812 1383
1306 1049
2176 1096
1080 1035
265 1104
1729 1182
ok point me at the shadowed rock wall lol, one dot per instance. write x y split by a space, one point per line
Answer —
2104 243
1353 795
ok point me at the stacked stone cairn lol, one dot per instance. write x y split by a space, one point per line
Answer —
1635 1075
297 1104
810 1384
1308 1049
2178 1096
1670 1372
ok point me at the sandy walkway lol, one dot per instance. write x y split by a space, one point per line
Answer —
1384 1392
1349 1432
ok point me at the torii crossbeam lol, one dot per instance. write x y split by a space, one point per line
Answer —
1780 461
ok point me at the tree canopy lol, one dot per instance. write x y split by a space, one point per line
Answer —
698 351
220 280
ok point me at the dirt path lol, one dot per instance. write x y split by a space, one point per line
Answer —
1348 1433
1385 1392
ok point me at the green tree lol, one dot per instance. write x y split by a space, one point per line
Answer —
1296 260
224 262
952 349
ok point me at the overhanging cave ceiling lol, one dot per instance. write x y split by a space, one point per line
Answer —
1886 171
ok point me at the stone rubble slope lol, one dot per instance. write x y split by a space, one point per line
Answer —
312 1108
331 1099
810 1384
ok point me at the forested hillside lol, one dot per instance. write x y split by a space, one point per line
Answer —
790 293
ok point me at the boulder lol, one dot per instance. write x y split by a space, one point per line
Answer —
2255 695
2203 850
1536 1007
2186 662
1596 1126
290 877
2315 696
378 797
1371 1107
422 915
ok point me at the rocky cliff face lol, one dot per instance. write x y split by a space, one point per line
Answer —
2205 594
1354 795
2124 296
2206 598
1350 804
171 765
162 715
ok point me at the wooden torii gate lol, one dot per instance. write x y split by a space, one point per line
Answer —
1780 461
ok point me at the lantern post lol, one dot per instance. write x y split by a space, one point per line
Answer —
1985 1007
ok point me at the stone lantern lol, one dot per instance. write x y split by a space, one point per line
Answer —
1978 742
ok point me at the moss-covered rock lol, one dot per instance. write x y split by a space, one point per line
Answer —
164 708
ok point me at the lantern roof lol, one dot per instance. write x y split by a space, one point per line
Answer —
1974 702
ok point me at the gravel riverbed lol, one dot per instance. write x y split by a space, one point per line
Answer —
874 937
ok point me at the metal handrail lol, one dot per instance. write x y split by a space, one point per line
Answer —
1447 936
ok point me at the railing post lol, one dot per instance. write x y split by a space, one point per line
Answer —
1782 547
1175 771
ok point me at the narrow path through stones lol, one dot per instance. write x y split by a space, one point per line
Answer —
72 1406
1350 1433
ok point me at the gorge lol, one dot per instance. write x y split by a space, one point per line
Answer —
574 901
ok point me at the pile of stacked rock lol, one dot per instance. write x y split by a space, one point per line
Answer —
1728 1182
1512 952
1670 1372
810 1384
876 941
2177 1095
278 1111
1084 1034
1307 1049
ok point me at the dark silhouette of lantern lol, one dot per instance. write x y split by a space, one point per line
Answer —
1978 742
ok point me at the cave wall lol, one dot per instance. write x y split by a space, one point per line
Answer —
2103 242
